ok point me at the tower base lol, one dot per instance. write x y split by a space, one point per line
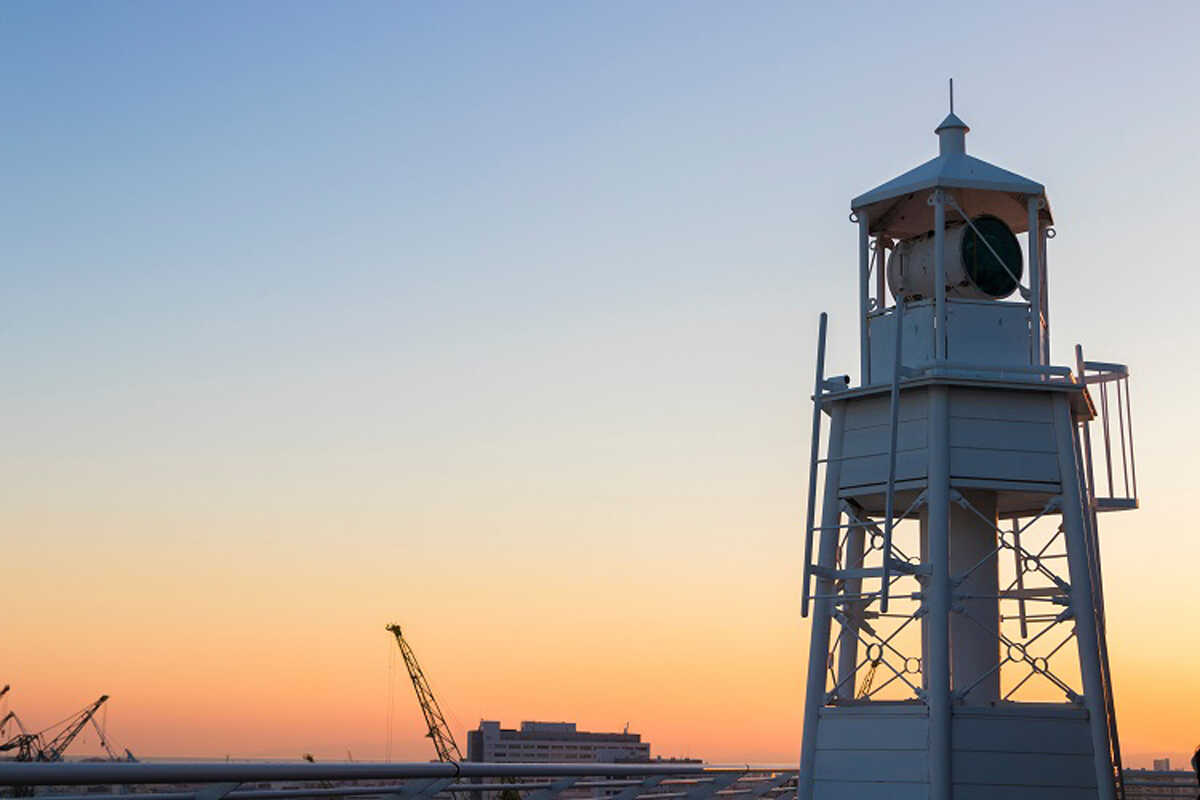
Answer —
880 751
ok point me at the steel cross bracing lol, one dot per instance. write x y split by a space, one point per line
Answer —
1055 591
1034 605
859 611
865 623
435 721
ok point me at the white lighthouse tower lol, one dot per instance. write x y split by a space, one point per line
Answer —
952 562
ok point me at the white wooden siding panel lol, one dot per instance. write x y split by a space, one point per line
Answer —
903 766
910 435
874 469
967 791
1017 405
863 790
1068 735
1002 434
866 412
1003 465
1023 769
873 733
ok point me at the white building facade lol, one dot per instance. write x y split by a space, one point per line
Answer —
554 742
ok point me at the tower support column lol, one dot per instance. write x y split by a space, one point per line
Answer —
822 607
1035 281
975 567
864 296
853 609
939 275
937 593
1083 603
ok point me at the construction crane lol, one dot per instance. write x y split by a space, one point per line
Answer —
102 734
53 750
35 747
12 715
25 743
435 721
864 691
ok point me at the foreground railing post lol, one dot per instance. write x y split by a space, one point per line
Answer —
707 789
768 785
633 791
422 790
553 790
216 791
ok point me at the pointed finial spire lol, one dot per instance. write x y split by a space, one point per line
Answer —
952 132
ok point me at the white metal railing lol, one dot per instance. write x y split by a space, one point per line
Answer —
965 369
1114 419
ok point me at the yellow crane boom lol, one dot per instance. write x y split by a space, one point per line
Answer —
435 721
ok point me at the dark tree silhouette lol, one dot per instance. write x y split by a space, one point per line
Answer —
1196 766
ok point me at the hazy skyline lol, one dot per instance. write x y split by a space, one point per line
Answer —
498 322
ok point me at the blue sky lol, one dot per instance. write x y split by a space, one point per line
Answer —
318 212
555 264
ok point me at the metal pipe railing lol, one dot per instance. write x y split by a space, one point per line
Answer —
1099 374
397 781
745 787
80 773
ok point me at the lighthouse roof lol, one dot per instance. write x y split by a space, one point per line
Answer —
898 208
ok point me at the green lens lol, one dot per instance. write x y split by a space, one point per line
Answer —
985 271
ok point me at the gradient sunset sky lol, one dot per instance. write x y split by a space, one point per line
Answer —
497 321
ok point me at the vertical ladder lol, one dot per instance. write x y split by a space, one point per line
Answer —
823 386
813 461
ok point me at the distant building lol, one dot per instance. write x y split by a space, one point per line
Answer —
1162 765
1159 784
557 742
